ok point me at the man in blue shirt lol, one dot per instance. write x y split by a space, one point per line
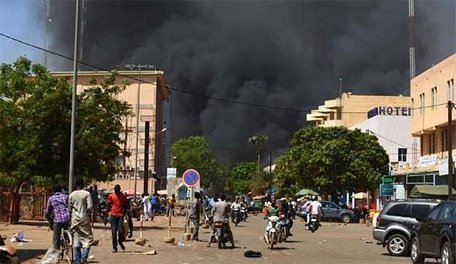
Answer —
57 210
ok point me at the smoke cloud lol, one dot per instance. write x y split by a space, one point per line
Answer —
287 54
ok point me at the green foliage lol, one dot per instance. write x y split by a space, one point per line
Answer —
35 118
242 177
329 159
193 153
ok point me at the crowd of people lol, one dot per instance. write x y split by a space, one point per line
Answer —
78 211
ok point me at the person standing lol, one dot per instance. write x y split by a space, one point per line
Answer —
146 206
118 202
195 214
154 204
93 189
80 205
170 202
57 210
129 216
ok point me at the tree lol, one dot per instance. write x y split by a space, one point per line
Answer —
332 159
35 116
242 176
193 153
258 141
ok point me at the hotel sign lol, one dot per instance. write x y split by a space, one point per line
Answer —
390 110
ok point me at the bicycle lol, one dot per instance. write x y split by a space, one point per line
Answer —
66 247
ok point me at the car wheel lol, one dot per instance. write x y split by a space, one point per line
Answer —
346 218
415 253
446 257
397 245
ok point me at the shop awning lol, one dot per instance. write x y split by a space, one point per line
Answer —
429 191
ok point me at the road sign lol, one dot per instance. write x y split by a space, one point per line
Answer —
171 173
191 177
388 179
386 189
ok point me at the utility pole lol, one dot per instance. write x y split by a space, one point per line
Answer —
270 173
450 107
73 97
138 96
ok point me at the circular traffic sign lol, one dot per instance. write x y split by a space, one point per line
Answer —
191 177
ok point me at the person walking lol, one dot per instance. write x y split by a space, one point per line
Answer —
57 211
80 206
118 202
195 214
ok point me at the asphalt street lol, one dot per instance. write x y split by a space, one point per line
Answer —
333 243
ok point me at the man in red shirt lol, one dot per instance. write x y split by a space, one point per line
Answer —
117 201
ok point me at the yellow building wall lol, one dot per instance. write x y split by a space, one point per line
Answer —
353 109
152 92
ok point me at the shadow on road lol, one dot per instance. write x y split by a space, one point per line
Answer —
28 254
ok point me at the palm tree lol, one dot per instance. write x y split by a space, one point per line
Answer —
258 141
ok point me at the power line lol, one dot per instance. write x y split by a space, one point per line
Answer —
208 97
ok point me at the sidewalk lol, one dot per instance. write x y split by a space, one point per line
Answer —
39 239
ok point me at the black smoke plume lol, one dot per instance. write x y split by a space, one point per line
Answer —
288 54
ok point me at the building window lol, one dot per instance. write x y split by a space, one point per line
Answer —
413 106
450 91
421 145
444 140
402 154
422 103
431 138
433 97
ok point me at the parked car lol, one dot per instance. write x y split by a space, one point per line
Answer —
393 227
434 235
331 211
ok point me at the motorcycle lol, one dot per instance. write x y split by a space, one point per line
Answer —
314 223
103 210
7 253
284 228
236 216
243 212
273 235
221 236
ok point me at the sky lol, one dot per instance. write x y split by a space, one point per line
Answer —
278 58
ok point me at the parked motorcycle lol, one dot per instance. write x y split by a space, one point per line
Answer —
273 235
314 223
243 213
7 253
221 236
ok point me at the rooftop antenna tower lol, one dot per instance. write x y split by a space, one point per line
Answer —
46 29
411 5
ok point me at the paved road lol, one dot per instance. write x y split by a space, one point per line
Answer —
333 243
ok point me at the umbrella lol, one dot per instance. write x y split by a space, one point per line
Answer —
305 192
360 195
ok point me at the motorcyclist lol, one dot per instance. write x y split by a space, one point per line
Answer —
235 210
315 209
220 212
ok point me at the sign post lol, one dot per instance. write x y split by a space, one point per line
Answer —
191 178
